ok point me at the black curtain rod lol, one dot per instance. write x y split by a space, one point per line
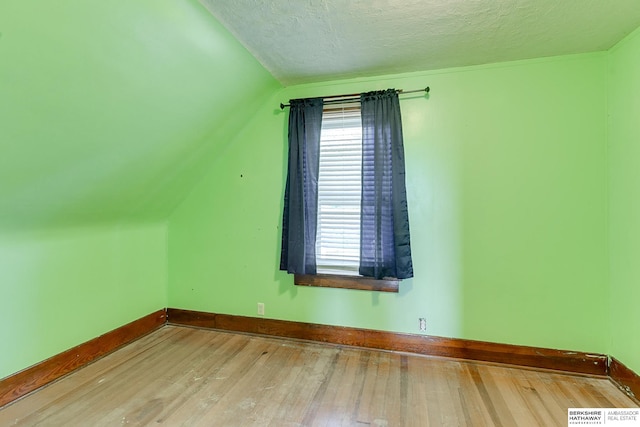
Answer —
343 99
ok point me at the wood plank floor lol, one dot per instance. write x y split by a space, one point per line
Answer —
184 376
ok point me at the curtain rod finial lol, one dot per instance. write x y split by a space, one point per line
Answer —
281 106
427 89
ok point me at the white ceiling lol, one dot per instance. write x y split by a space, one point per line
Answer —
313 40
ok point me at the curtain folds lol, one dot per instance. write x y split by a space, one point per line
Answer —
299 222
385 248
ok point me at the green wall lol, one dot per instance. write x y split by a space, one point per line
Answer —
62 287
109 113
624 204
116 118
506 182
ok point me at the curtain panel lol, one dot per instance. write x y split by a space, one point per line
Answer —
299 221
385 247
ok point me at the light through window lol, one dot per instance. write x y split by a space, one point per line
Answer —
339 191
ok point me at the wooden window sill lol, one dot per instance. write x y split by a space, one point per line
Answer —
347 282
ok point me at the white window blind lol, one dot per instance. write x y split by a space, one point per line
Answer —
339 191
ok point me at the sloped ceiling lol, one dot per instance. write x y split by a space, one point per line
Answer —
315 40
108 110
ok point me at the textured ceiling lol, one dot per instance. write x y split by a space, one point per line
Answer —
314 40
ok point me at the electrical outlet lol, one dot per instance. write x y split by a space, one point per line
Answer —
260 309
422 323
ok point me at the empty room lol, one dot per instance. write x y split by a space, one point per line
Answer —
319 213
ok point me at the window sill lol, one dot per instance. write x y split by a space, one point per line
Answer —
347 282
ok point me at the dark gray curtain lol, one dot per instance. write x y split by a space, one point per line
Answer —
299 221
385 248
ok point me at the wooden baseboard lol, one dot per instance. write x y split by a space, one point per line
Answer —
627 380
567 361
30 379
36 376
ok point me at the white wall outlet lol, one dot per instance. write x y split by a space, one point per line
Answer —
422 324
260 309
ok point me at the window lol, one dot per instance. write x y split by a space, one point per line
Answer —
345 220
339 191
339 199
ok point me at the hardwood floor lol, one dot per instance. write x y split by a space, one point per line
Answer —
186 376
